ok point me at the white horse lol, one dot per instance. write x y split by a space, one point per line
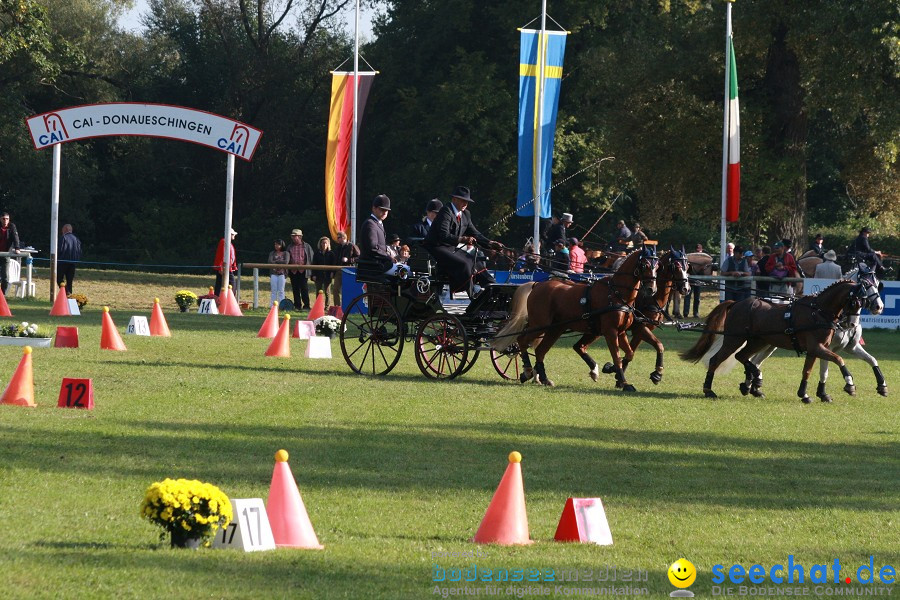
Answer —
847 337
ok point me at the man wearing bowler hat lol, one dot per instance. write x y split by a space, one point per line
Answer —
373 244
420 230
453 226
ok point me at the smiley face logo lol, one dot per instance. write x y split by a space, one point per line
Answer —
682 573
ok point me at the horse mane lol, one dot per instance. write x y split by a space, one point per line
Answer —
831 285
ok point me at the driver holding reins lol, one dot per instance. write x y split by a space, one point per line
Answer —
451 227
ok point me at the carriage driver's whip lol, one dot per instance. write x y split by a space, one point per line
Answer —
548 190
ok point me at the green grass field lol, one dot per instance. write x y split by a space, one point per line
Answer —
395 469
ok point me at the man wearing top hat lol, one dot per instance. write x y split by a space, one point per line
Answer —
373 244
420 230
453 226
864 250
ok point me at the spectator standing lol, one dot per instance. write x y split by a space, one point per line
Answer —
781 264
219 262
577 258
345 255
829 269
68 254
278 256
325 257
693 297
301 254
9 242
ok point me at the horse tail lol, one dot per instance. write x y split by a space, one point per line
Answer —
726 365
714 323
518 319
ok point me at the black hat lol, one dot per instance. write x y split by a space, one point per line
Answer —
819 237
434 205
382 201
462 192
394 238
865 230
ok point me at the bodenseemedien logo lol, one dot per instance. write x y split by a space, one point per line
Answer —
682 574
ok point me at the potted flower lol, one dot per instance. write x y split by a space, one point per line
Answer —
81 299
327 325
185 299
24 334
188 510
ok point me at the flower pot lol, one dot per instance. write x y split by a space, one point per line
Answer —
185 539
25 341
183 308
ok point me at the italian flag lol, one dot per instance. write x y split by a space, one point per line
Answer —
733 182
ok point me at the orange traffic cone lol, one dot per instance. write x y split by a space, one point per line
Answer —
4 307
20 390
505 521
158 325
61 304
109 335
291 526
281 345
318 309
228 304
270 325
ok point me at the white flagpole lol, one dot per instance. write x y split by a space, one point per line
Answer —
355 125
229 203
727 118
54 220
540 125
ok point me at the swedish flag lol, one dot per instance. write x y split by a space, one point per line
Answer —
549 48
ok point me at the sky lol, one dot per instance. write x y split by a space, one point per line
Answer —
131 19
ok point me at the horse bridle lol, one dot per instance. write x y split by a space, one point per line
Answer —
860 296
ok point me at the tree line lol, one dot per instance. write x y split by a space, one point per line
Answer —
642 82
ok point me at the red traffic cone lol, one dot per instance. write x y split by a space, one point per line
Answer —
4 307
158 325
20 390
291 526
270 325
506 521
281 345
228 304
109 335
318 309
66 337
61 304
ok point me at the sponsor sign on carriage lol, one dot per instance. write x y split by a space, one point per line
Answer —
890 295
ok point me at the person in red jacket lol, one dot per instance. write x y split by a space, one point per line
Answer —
219 260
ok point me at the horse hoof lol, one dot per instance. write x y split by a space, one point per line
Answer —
709 394
825 398
655 377
882 389
757 393
594 374
628 388
805 400
618 385
850 389
745 389
609 368
549 383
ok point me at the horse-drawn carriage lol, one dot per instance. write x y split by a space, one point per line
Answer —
447 340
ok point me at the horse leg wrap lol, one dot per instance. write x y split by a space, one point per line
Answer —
882 384
821 394
590 362
526 360
801 393
849 388
656 375
707 385
542 375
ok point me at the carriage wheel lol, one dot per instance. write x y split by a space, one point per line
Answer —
470 361
371 335
508 363
441 347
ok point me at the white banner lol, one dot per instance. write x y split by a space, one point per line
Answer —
889 319
152 120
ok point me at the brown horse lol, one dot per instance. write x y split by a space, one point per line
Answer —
671 276
805 325
542 312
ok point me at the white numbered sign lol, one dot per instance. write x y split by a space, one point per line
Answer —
208 307
138 326
250 530
73 307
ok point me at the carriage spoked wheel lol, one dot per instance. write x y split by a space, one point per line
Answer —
442 347
508 363
371 335
470 361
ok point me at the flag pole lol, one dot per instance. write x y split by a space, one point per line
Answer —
355 126
723 227
542 58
